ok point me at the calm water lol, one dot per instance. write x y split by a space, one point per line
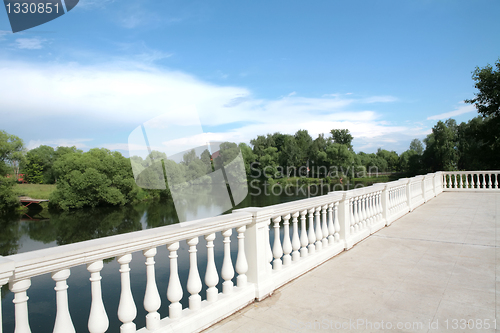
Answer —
43 229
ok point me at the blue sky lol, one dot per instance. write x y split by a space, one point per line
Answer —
386 70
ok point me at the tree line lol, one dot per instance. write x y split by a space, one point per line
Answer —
102 177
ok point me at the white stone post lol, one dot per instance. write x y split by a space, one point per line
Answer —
174 289
194 281
241 259
98 319
211 276
344 219
311 235
408 191
304 240
319 231
6 271
256 249
63 323
287 245
126 308
295 238
331 226
152 300
277 249
227 272
385 204
21 304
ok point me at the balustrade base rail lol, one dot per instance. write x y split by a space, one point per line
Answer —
274 245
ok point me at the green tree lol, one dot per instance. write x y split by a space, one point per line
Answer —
342 136
38 167
441 152
11 152
417 146
487 100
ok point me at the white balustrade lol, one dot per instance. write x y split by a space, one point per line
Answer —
328 225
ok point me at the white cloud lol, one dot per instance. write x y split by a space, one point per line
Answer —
78 143
30 43
3 33
464 108
125 95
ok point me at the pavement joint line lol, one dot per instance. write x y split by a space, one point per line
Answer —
432 240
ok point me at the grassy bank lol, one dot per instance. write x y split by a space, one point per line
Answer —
35 191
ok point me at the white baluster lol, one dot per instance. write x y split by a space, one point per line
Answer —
126 309
455 181
174 289
304 241
21 305
268 245
331 227
241 259
227 272
362 212
2 283
98 319
496 180
211 276
194 282
355 207
63 323
311 234
277 249
319 232
295 238
352 217
287 245
336 222
324 226
466 181
490 183
473 184
152 300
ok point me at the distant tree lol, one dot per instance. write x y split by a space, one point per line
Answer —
441 153
487 100
11 152
417 146
342 136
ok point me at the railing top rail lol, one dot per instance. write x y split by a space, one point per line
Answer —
469 172
51 259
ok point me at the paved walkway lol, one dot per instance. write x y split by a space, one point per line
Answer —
431 271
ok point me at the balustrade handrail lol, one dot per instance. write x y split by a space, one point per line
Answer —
44 261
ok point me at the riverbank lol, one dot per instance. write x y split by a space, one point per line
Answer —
35 191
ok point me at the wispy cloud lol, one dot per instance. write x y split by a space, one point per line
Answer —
30 43
125 95
78 143
464 108
3 33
